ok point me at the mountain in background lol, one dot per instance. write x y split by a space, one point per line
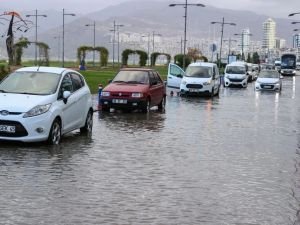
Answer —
141 17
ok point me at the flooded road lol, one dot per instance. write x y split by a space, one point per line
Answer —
231 160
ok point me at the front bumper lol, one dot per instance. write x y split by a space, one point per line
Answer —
122 104
235 82
31 129
267 87
198 89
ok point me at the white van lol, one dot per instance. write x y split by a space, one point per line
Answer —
199 78
236 74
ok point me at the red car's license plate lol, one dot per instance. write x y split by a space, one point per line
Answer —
120 101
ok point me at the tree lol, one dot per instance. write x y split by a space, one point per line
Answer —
249 59
178 59
194 54
255 58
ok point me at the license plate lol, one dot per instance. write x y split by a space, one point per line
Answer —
193 90
268 87
7 129
120 101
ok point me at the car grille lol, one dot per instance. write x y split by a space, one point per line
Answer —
269 86
235 80
196 86
120 95
20 130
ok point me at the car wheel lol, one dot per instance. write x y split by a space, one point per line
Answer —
212 93
88 123
162 104
146 106
55 133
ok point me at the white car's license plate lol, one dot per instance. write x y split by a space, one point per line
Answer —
120 101
7 129
267 86
194 90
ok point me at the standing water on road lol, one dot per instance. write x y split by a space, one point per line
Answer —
234 159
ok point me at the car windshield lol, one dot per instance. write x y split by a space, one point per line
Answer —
199 71
236 69
268 74
35 83
133 76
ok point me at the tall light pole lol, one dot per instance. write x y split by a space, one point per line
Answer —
116 29
63 36
242 36
185 5
222 31
148 46
36 15
94 40
229 44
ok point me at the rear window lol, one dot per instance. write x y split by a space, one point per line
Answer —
199 71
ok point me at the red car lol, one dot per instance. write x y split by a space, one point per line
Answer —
134 88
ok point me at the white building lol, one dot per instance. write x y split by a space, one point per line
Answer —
296 41
280 43
269 34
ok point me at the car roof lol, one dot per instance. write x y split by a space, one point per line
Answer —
203 64
57 70
136 69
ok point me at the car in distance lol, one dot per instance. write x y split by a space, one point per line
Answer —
134 88
269 80
43 103
236 74
200 78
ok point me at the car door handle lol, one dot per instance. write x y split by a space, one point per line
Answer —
170 77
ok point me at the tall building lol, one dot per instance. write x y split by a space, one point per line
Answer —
296 41
246 39
269 34
280 43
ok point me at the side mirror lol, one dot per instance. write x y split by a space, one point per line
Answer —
281 77
66 95
109 81
179 76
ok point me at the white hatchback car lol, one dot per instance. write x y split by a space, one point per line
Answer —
43 103
269 80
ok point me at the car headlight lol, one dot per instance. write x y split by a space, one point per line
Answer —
137 95
207 83
276 83
37 110
184 82
105 93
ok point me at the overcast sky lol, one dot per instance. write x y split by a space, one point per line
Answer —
272 8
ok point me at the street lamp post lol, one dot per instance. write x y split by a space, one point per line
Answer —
94 40
63 36
148 47
185 5
36 15
242 36
222 31
229 44
116 29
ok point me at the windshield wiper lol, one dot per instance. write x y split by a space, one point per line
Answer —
118 81
2 91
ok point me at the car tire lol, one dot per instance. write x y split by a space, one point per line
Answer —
55 133
212 93
162 104
88 126
146 106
